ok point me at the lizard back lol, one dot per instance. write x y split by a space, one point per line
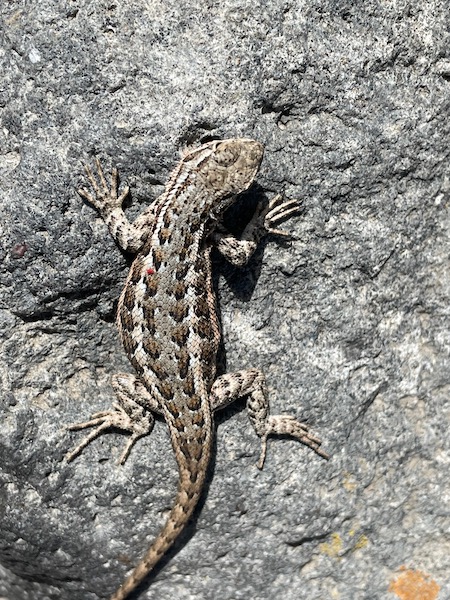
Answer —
167 313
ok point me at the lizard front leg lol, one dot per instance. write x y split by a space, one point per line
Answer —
128 414
252 383
129 236
239 251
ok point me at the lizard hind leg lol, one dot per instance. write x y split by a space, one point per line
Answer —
252 383
127 414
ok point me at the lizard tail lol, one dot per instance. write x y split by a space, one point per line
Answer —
192 476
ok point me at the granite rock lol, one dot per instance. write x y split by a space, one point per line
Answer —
349 320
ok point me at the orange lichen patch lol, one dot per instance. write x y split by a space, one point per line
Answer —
332 548
361 542
337 546
414 585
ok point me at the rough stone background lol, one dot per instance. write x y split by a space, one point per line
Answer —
349 321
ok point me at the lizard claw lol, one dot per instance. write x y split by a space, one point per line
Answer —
278 210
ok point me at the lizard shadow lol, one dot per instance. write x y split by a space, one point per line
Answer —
241 281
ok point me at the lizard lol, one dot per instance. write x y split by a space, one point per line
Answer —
168 321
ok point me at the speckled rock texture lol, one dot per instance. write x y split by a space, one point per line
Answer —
349 320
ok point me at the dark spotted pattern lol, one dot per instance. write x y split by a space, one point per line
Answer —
152 347
183 359
188 385
179 290
129 299
165 389
179 312
165 235
180 335
152 284
130 344
158 258
148 310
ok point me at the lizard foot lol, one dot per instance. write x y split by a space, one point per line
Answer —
104 199
287 425
131 418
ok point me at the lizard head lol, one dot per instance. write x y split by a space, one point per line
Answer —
226 167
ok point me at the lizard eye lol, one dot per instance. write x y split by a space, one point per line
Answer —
216 178
226 155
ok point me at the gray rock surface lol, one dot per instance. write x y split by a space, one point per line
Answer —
349 320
